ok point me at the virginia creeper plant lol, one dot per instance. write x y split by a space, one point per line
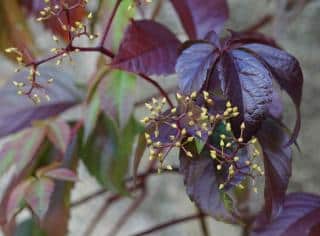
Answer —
224 118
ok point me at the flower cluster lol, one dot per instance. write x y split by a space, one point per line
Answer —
74 29
199 119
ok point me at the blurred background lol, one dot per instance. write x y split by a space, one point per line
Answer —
297 30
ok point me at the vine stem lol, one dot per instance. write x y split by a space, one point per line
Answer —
109 23
142 176
126 215
169 224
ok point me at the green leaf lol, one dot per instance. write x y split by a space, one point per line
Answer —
200 145
121 162
100 148
120 23
106 154
29 227
227 201
91 117
118 98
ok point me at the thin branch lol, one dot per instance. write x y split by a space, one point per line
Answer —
156 10
89 197
265 20
155 95
169 224
96 219
140 177
160 89
203 223
108 26
125 217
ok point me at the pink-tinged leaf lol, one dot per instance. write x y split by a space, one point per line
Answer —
277 165
16 199
28 146
19 149
287 72
21 111
59 134
300 217
62 174
193 66
147 47
38 196
199 17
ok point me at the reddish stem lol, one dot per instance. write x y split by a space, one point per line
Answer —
169 224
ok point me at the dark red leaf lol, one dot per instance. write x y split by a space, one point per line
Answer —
199 17
300 217
147 47
21 111
277 164
76 14
286 70
202 185
193 66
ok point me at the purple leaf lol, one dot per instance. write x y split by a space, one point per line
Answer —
286 70
277 165
300 217
199 17
38 196
59 134
147 47
62 174
248 84
16 198
202 185
193 66
276 106
21 111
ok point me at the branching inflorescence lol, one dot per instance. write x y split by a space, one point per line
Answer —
196 118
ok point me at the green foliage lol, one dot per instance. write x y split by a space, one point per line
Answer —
107 151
